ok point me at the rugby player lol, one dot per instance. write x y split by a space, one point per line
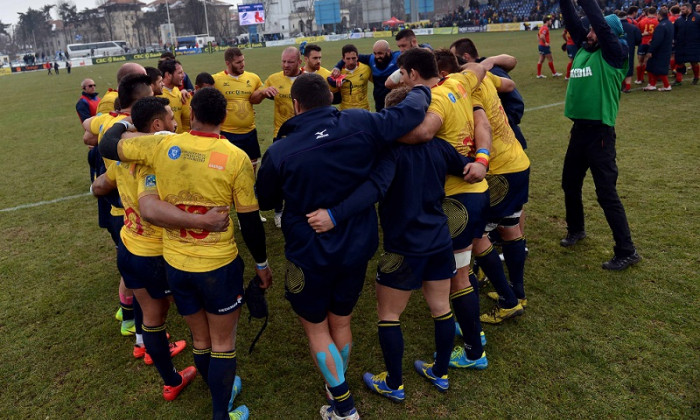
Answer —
140 253
508 179
455 116
172 77
240 88
658 56
156 80
544 49
309 168
406 40
196 171
633 36
279 85
409 183
687 42
135 86
382 62
571 49
353 89
202 80
106 104
646 25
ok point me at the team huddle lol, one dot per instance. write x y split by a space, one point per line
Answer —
443 157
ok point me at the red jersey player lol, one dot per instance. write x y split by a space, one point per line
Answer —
646 25
544 49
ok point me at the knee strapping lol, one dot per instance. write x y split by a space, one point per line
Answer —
462 259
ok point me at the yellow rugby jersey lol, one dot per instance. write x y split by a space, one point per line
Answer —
507 155
175 98
453 103
185 115
240 116
98 126
325 73
197 171
106 104
138 236
360 78
284 108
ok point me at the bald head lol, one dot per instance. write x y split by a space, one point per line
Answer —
88 86
129 68
291 61
382 51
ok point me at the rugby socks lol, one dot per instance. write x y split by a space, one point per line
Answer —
664 80
679 75
493 268
696 71
652 79
391 341
344 403
672 64
127 304
444 339
202 358
138 319
158 348
539 69
222 373
551 67
475 285
568 69
640 73
465 304
514 254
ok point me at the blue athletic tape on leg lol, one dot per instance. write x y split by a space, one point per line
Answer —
345 354
323 366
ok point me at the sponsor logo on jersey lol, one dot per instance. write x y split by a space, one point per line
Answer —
452 97
174 153
150 181
584 72
321 134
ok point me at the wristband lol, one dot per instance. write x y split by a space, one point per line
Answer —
482 161
484 151
91 190
127 125
332 218
262 265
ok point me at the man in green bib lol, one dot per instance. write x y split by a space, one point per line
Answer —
592 101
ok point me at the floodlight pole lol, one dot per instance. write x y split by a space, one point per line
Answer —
170 32
206 19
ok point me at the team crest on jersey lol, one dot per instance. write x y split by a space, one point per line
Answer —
452 97
226 84
174 153
150 181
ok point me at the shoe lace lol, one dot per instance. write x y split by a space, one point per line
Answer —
380 377
457 352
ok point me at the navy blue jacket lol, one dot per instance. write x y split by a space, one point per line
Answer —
660 48
687 37
633 36
613 51
321 156
83 105
409 182
379 75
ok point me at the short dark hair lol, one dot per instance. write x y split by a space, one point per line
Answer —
622 14
311 91
167 56
675 9
446 61
147 109
133 87
204 78
209 106
231 53
465 46
632 10
309 48
153 73
405 33
168 66
420 60
395 96
348 48
663 13
546 19
651 10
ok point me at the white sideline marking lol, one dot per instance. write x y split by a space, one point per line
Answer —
537 108
71 197
41 203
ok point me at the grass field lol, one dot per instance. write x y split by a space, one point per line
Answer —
591 344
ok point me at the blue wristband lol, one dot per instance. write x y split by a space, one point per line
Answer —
332 218
262 266
484 151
